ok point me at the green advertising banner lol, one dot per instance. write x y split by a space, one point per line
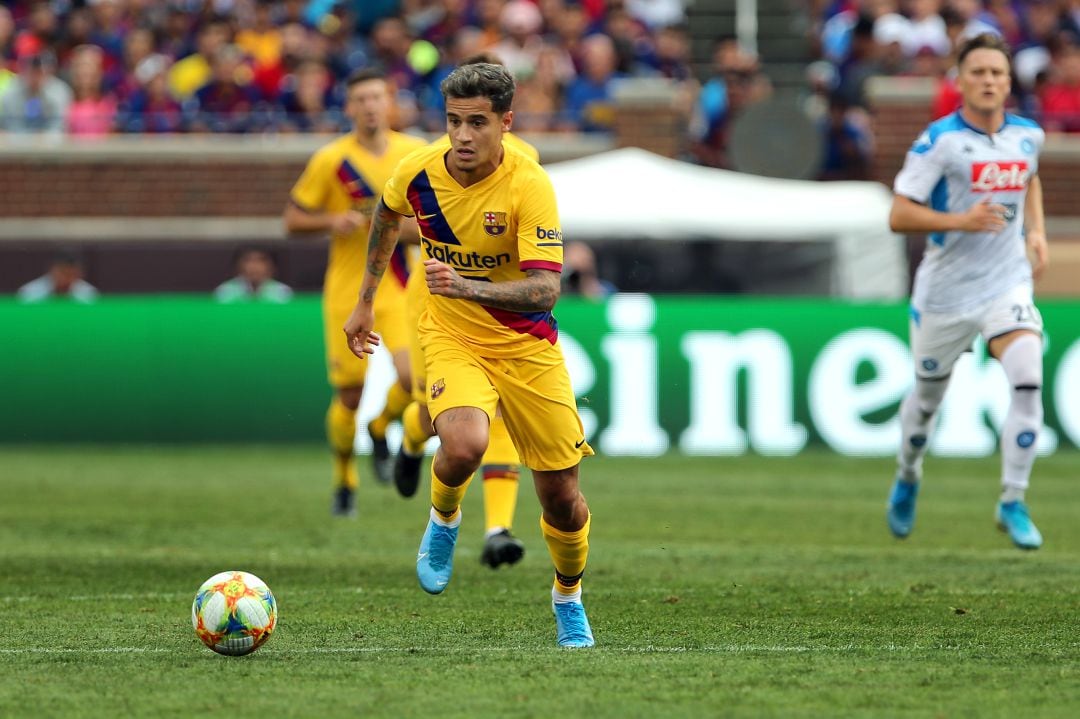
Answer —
701 375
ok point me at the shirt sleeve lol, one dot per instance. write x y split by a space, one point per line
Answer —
923 169
312 190
540 237
395 192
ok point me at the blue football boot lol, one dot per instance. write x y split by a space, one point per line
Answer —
435 560
901 511
1013 518
572 625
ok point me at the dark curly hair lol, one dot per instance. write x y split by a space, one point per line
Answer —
481 79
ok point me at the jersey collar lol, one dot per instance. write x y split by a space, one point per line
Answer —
968 125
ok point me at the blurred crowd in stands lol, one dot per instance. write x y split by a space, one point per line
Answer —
859 39
92 67
856 40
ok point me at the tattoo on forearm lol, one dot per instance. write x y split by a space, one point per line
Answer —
538 292
385 228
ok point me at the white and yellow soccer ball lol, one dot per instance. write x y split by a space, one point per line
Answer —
234 613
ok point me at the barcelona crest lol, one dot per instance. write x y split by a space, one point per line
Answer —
495 223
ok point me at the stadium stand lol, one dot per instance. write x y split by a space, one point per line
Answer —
666 75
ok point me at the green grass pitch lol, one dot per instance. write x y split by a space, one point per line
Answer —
716 587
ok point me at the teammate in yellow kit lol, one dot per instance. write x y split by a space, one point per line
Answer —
490 231
337 193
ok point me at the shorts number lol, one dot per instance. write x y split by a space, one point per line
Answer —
1024 313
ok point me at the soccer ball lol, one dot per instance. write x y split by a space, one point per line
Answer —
234 613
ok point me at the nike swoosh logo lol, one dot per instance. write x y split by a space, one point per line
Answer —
426 217
421 556
440 582
577 445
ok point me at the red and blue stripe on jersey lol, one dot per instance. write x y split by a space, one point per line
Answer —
353 181
429 215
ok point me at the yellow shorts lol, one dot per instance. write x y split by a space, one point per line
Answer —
391 315
343 368
532 393
416 297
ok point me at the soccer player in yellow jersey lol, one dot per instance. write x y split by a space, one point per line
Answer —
500 468
337 193
490 231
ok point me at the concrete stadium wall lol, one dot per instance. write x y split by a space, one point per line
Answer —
113 196
187 176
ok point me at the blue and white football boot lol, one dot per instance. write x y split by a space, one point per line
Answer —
1013 518
901 509
571 625
435 560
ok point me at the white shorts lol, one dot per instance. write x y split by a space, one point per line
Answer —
937 340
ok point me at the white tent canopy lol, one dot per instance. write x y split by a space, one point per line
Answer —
633 193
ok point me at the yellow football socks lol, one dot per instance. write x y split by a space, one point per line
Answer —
415 435
500 472
446 500
341 434
500 496
569 551
397 399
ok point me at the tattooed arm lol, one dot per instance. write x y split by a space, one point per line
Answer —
538 292
383 238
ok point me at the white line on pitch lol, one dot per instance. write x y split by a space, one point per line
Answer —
718 649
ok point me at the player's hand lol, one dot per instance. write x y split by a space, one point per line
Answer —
1038 252
346 222
984 216
443 280
358 332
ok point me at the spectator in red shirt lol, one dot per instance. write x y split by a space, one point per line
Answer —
1061 95
273 79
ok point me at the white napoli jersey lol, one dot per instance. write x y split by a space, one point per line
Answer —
951 167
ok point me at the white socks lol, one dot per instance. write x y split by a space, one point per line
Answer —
443 521
917 413
1022 361
559 598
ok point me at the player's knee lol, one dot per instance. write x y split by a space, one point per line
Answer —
463 453
350 396
559 495
1027 403
928 394
1022 362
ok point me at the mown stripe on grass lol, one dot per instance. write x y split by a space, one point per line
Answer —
647 649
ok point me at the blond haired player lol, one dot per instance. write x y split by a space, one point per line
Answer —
490 231
337 193
971 181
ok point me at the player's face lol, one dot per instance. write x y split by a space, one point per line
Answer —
984 80
475 132
368 105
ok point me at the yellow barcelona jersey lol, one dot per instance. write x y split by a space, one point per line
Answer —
344 175
492 231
